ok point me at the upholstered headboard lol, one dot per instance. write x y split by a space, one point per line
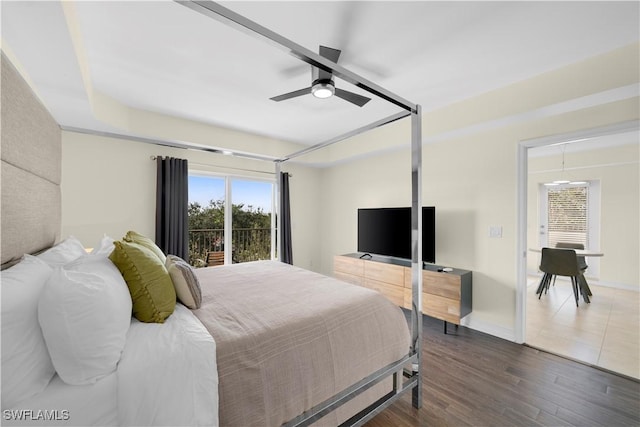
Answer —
31 160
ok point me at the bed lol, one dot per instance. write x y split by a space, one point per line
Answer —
272 344
280 329
269 342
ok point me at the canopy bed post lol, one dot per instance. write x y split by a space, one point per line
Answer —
416 248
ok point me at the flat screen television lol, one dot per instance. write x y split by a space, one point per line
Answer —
387 231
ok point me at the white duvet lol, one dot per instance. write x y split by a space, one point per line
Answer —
167 376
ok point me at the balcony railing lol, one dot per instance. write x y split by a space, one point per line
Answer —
248 244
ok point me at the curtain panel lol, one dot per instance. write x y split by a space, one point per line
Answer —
172 200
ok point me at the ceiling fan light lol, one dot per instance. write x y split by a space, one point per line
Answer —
323 89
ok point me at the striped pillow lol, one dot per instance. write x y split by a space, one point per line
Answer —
184 281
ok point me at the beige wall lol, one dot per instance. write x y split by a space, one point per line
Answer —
472 182
469 174
616 168
108 187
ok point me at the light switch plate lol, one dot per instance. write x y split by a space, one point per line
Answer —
495 231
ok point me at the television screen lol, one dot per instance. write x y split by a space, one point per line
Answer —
387 231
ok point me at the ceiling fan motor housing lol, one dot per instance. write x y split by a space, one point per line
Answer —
323 88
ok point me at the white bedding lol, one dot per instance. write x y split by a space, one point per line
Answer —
167 376
68 405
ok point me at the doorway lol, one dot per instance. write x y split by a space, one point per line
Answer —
528 237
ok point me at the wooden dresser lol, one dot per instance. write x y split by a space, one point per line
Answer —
445 296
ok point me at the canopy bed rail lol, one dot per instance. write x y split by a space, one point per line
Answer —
235 20
396 369
227 16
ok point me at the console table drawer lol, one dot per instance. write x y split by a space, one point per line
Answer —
388 273
443 308
348 265
445 295
437 283
394 293
349 278
442 284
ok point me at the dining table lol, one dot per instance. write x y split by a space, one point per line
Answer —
579 252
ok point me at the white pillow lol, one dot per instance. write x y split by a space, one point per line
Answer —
66 251
26 365
85 313
104 248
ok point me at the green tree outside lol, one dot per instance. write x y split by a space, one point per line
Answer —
251 237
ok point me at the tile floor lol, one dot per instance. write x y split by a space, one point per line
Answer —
605 333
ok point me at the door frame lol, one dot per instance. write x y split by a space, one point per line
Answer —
522 183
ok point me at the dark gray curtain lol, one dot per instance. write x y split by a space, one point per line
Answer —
172 199
285 220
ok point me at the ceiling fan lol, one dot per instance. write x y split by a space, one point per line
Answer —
322 85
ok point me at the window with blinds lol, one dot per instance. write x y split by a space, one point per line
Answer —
568 215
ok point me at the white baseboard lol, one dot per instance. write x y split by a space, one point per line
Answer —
615 285
508 334
596 282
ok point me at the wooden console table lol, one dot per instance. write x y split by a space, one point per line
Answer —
445 295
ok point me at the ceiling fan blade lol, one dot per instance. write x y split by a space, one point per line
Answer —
293 94
354 98
332 55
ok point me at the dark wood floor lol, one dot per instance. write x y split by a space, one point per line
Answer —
470 378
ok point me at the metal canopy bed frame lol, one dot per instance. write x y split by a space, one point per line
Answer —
403 379
228 17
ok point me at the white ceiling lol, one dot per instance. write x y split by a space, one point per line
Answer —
163 57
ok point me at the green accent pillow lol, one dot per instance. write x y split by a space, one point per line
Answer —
150 286
133 237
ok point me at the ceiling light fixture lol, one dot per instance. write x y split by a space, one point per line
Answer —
323 89
563 181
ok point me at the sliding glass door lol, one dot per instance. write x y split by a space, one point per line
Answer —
224 233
